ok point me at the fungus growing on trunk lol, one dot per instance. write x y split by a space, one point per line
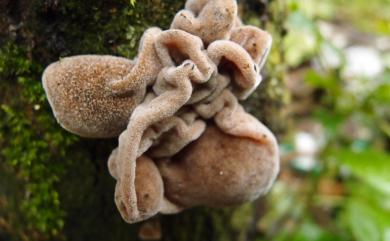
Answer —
210 20
77 89
220 169
255 41
184 139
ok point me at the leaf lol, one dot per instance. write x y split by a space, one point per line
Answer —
331 121
310 231
372 166
367 212
362 221
382 93
318 80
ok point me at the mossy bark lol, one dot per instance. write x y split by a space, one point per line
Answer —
55 186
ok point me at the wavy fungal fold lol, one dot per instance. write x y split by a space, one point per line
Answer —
183 138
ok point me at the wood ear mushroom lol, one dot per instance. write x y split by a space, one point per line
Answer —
77 89
184 139
220 169
210 20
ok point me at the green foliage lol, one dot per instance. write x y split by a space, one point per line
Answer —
372 18
367 213
132 2
346 195
370 165
367 209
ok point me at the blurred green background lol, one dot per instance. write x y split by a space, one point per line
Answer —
326 94
335 180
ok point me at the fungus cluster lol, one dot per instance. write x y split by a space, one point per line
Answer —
184 139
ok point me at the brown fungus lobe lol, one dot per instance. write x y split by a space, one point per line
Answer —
146 67
176 46
210 20
232 59
143 117
148 186
78 92
184 139
219 169
255 41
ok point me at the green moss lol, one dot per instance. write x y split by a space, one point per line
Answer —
32 144
98 27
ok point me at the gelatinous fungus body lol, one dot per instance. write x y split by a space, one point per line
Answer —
184 139
78 91
219 169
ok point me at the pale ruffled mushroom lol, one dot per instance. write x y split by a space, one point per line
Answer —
146 68
77 89
148 187
177 105
210 20
145 115
220 169
195 6
232 59
175 46
255 41
209 90
231 118
175 133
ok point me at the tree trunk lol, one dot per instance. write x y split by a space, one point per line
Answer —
55 186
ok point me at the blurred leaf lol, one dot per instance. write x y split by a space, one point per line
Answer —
310 231
317 80
362 221
313 8
367 213
331 121
302 41
297 21
378 10
242 217
371 166
382 93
